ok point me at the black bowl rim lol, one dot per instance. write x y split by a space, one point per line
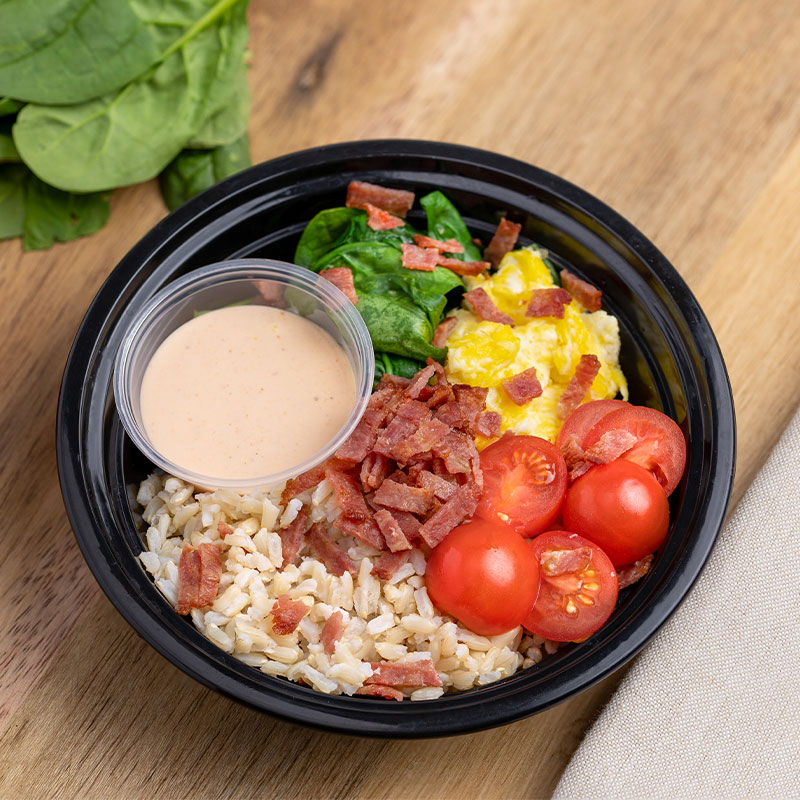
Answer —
420 720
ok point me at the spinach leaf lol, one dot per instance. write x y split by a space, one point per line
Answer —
131 135
386 364
229 122
9 106
52 215
359 231
194 171
321 233
396 325
12 199
444 222
8 152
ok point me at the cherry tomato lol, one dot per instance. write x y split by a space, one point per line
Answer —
577 587
524 482
484 575
621 507
585 417
660 446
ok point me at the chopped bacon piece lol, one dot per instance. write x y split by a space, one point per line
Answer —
455 449
223 529
471 401
523 387
628 575
575 458
361 194
361 440
409 415
332 631
407 673
443 393
342 279
348 494
392 380
441 487
485 308
443 330
374 469
429 433
548 303
380 220
413 410
458 508
446 246
579 384
408 523
308 480
199 572
293 537
450 413
610 446
405 498
503 241
422 258
586 294
376 690
388 563
287 613
420 380
392 532
559 562
335 559
463 267
364 529
489 424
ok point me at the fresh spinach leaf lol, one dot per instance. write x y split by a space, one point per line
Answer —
390 364
444 222
228 123
8 152
359 231
194 171
12 199
9 106
321 233
131 135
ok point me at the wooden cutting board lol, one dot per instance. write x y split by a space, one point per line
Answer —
683 116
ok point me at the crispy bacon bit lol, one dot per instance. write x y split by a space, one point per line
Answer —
408 673
408 417
287 613
402 497
548 303
463 267
471 401
408 523
442 488
503 241
443 330
523 387
441 394
223 529
348 494
610 446
458 508
419 380
329 553
586 294
308 480
446 246
374 469
199 572
332 631
485 308
380 220
293 537
364 529
342 279
579 385
376 690
575 458
429 433
455 449
560 562
636 571
388 563
489 424
422 258
361 194
361 440
392 532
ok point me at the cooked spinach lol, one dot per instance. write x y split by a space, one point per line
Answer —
444 222
194 171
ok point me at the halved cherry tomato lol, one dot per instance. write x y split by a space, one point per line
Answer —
577 587
660 446
585 417
484 575
524 482
621 507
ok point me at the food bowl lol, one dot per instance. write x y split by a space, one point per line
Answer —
252 281
669 355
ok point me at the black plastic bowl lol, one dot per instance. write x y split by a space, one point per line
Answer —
668 353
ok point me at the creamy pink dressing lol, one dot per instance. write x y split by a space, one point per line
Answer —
245 392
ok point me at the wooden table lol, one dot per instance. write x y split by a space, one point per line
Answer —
683 116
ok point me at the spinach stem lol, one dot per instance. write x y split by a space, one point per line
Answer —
207 19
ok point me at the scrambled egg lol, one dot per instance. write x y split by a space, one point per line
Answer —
484 353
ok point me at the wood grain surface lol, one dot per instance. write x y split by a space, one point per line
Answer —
684 116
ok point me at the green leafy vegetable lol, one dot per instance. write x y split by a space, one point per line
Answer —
9 106
321 234
194 171
444 222
8 152
131 135
390 364
228 123
12 200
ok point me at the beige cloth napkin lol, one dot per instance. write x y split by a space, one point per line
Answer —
711 708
